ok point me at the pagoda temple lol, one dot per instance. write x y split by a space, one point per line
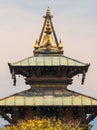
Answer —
49 72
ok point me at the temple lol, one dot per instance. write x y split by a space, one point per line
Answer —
49 72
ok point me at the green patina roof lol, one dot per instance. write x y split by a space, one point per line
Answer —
48 61
40 98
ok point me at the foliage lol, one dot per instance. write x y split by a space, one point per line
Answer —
42 124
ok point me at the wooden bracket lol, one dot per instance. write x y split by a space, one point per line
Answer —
4 115
91 117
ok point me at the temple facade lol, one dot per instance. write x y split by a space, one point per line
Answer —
49 72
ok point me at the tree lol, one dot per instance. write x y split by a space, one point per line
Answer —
44 124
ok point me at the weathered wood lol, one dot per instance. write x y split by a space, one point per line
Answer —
15 115
50 80
4 115
91 117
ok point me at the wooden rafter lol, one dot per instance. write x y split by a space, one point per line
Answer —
3 114
91 117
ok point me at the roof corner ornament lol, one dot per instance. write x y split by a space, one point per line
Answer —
14 81
14 78
83 77
60 46
36 44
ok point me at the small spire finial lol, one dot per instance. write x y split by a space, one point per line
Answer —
36 44
60 46
48 12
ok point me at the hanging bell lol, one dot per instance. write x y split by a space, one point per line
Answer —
13 74
83 78
14 81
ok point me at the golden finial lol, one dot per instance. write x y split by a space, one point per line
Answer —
36 44
48 28
60 46
48 12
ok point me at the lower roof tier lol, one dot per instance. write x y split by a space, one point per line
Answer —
64 98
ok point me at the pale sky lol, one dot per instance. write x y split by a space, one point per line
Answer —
75 22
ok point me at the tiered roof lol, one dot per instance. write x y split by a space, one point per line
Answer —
49 98
48 52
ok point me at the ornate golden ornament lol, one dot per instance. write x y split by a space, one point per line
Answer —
60 46
36 46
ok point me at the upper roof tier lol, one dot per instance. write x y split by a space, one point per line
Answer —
49 61
48 52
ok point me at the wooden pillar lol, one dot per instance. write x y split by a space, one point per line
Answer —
15 115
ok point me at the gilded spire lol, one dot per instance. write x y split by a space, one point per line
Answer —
48 12
48 28
48 42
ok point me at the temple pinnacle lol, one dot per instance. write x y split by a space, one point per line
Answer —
48 12
48 28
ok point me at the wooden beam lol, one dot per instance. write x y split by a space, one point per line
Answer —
3 114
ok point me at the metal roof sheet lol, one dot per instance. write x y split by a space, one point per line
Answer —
48 61
30 98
